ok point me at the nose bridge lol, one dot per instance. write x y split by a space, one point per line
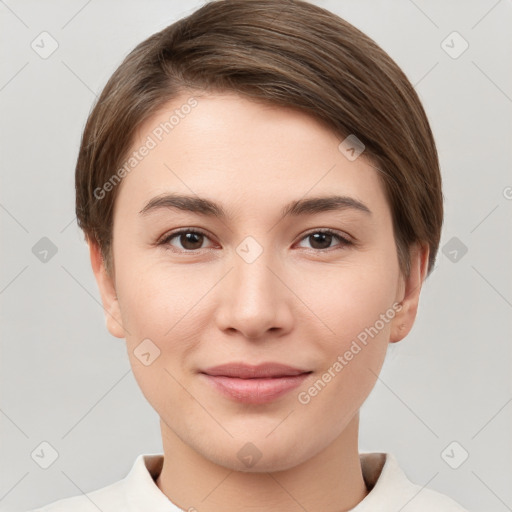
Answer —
253 279
254 301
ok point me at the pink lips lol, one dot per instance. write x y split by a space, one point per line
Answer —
255 384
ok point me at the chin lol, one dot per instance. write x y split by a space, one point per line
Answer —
260 456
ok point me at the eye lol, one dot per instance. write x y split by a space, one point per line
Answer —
322 239
189 239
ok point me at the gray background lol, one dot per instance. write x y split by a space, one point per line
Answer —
66 381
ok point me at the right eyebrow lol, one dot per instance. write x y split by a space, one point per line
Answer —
185 203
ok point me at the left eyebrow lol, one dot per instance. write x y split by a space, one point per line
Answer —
323 204
209 208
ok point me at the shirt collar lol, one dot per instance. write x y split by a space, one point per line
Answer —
385 480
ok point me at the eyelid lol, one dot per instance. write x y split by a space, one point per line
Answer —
344 239
164 239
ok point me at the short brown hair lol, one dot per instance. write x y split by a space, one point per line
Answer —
285 52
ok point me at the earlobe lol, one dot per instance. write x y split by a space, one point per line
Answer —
107 290
410 294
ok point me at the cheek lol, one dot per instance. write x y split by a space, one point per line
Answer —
156 298
163 304
351 360
355 306
348 299
162 325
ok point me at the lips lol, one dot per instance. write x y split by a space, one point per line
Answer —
245 371
259 384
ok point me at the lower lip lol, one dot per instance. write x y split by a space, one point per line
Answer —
255 391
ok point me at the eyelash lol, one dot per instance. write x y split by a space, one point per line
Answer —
343 242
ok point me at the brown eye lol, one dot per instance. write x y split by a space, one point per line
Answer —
191 241
323 239
187 240
320 240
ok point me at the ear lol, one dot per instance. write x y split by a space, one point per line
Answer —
107 289
409 295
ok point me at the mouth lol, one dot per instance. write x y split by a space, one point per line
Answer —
259 384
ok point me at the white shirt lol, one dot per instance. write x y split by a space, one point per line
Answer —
390 491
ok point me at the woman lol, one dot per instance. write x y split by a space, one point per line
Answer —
259 188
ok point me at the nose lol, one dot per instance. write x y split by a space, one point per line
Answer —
255 300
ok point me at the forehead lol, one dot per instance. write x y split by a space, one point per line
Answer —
248 152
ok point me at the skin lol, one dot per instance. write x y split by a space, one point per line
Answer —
298 303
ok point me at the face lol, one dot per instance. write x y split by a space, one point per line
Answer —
316 287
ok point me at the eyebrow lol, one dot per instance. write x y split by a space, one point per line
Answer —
209 208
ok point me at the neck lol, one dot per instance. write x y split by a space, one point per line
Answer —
330 481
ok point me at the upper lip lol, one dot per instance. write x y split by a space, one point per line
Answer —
247 371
